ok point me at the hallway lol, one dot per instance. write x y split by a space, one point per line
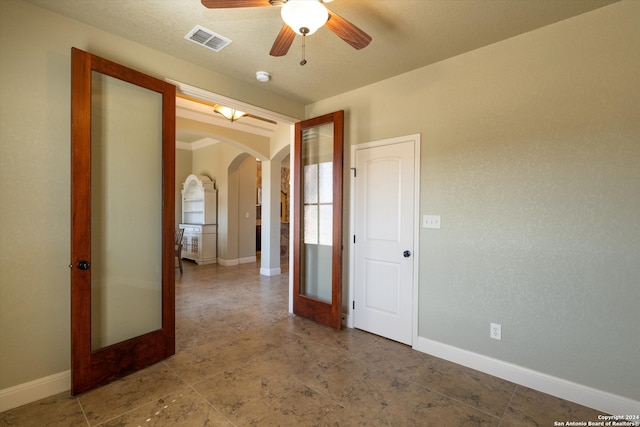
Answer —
242 360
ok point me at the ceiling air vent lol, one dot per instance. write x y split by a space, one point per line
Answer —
207 38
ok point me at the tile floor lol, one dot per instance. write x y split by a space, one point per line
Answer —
242 360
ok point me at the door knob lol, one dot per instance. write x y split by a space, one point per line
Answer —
406 254
84 265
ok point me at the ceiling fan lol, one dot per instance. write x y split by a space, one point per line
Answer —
302 17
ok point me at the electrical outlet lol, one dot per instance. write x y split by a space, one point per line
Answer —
495 331
431 221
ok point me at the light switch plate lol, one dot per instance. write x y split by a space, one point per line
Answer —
431 221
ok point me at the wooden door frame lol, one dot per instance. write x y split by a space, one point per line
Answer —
350 321
84 362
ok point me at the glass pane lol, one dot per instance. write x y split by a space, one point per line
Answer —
311 224
325 225
126 211
317 214
325 182
310 184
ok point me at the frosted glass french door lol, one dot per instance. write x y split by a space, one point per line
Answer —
317 253
126 201
122 275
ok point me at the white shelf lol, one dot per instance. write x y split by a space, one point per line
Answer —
199 217
199 200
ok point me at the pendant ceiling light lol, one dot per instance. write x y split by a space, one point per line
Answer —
304 16
229 113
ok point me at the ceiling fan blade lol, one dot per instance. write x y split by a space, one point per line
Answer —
347 31
283 41
221 4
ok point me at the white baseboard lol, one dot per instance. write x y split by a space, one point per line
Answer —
347 321
270 271
22 394
228 262
608 403
236 261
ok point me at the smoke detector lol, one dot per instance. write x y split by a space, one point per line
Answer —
263 76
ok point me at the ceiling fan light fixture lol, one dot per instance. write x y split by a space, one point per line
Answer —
304 16
229 113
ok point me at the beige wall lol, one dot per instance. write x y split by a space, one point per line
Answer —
35 169
231 168
213 161
220 155
531 155
184 166
247 189
234 173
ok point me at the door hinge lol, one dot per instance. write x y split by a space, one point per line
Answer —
354 238
353 306
354 172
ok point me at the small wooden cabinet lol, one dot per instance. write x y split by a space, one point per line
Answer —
199 219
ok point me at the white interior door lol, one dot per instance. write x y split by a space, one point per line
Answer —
384 204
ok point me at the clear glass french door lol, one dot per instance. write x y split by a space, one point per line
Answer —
122 208
317 269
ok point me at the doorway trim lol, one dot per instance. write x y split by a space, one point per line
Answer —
205 95
416 225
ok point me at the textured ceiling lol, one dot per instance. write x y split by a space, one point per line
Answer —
407 34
